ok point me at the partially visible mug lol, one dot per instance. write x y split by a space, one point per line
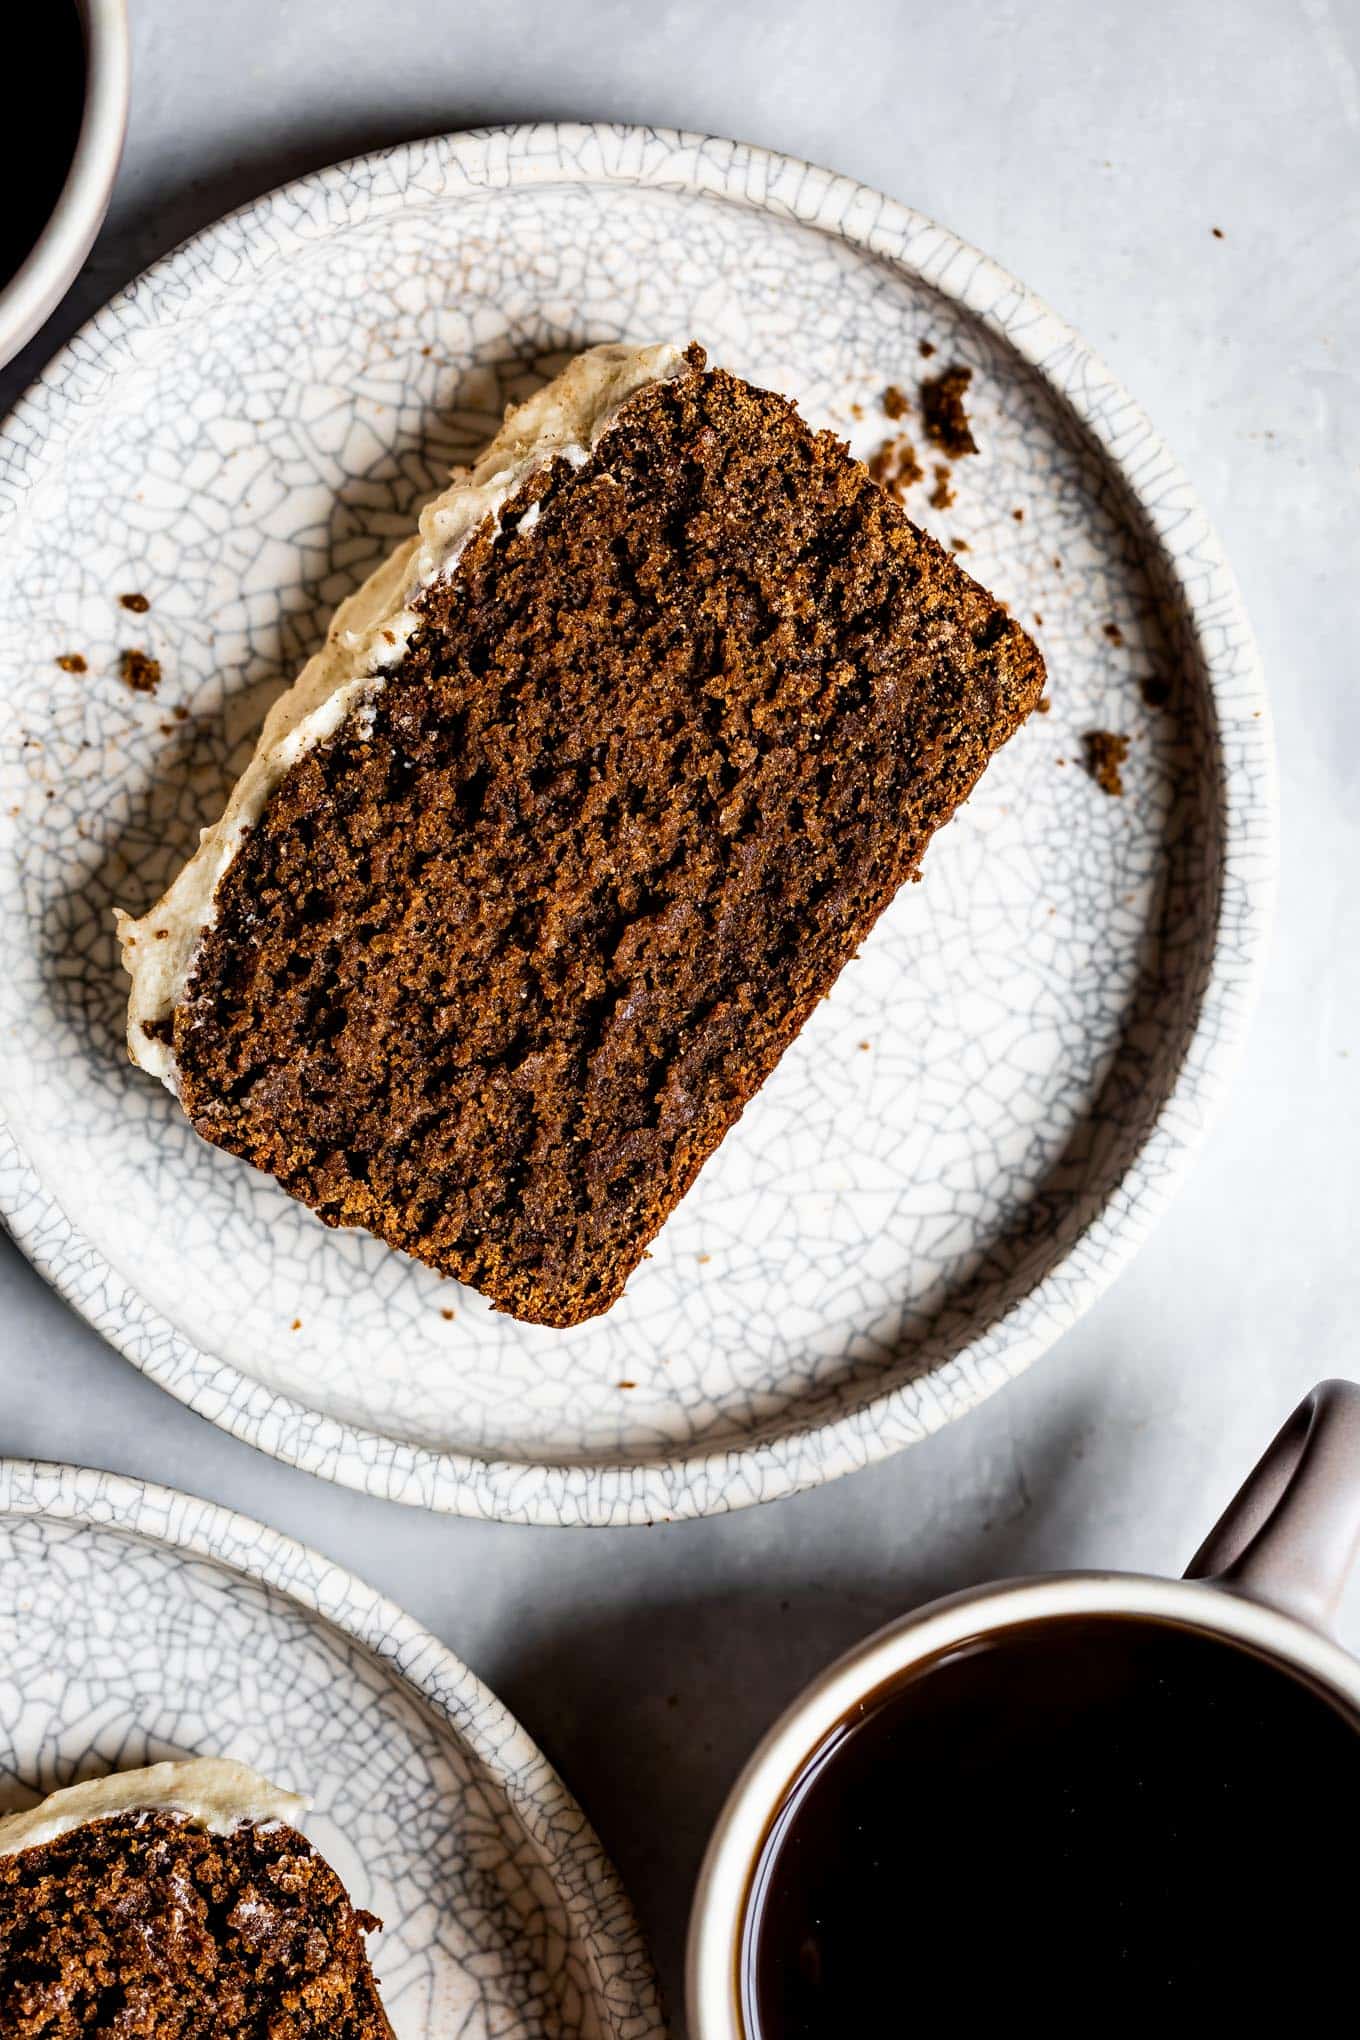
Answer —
81 51
1077 1797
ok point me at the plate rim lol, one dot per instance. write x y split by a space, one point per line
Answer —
808 1448
464 1707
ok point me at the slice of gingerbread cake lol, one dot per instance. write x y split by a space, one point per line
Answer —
178 1901
553 848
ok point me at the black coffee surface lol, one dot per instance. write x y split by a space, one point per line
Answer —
45 66
1087 1819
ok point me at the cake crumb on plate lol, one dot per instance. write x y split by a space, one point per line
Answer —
140 672
1105 753
944 414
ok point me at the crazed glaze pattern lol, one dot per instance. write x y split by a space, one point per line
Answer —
137 1624
895 1228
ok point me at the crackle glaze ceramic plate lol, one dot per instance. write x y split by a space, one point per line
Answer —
974 1131
137 1623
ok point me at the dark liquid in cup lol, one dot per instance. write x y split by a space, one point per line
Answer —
45 64
1080 1820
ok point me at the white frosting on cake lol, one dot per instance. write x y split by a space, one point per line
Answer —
212 1792
368 635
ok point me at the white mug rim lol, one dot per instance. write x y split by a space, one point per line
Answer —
52 264
718 1915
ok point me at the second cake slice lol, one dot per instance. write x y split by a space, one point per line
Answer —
173 1903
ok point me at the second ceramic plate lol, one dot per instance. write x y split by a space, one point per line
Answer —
971 1135
138 1624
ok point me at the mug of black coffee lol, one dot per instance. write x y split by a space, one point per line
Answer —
67 67
1071 1800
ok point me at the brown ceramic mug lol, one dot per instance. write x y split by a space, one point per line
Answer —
1266 1582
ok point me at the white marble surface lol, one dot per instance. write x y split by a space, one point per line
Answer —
1091 150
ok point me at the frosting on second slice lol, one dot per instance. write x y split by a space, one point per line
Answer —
212 1792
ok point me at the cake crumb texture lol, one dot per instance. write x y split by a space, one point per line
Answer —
506 957
145 1925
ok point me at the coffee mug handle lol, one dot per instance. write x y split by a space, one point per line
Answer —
1291 1533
